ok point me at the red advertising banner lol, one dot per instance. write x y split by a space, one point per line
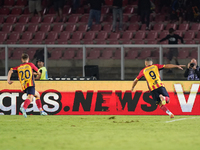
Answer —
101 98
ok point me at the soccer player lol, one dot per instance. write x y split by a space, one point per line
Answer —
26 78
158 91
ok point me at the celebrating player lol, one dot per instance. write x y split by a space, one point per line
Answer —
158 91
26 78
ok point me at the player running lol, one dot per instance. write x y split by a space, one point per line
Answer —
26 78
158 91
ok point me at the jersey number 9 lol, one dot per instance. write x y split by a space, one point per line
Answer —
152 75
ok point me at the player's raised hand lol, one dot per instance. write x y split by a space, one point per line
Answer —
10 82
181 66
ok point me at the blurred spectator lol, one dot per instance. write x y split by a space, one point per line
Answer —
163 3
166 3
117 9
144 10
193 71
177 10
42 70
40 54
196 10
189 15
95 12
35 5
173 52
76 4
58 6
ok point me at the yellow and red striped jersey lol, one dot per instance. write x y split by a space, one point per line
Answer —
25 74
152 75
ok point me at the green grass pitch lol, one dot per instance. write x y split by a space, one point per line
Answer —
99 133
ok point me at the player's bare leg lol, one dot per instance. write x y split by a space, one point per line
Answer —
39 104
28 100
165 109
164 99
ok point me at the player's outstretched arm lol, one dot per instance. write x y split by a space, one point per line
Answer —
134 84
38 75
174 66
9 76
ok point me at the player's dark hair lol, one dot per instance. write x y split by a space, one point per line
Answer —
148 59
25 56
171 30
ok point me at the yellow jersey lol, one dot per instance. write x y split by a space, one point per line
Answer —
152 75
25 74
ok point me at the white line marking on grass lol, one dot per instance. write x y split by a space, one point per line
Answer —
181 119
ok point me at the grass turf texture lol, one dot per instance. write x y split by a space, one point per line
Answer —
99 133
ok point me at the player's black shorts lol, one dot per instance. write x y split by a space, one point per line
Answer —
155 94
30 90
173 52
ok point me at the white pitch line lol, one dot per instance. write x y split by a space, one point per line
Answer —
181 119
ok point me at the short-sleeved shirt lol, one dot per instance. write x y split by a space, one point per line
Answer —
152 75
172 39
25 74
44 75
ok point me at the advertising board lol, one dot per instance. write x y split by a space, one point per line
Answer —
101 98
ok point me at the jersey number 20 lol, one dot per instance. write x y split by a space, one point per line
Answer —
25 74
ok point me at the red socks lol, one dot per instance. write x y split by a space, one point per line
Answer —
39 104
163 108
26 103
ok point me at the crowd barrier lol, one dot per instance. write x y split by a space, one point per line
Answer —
83 47
101 98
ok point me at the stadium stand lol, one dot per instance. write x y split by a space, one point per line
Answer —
69 54
17 53
77 22
183 53
13 37
9 3
106 54
11 19
3 37
32 27
79 54
56 54
45 27
94 54
82 27
158 27
133 27
132 54
70 27
107 27
4 11
16 11
58 27
19 27
7 28
36 19
26 37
